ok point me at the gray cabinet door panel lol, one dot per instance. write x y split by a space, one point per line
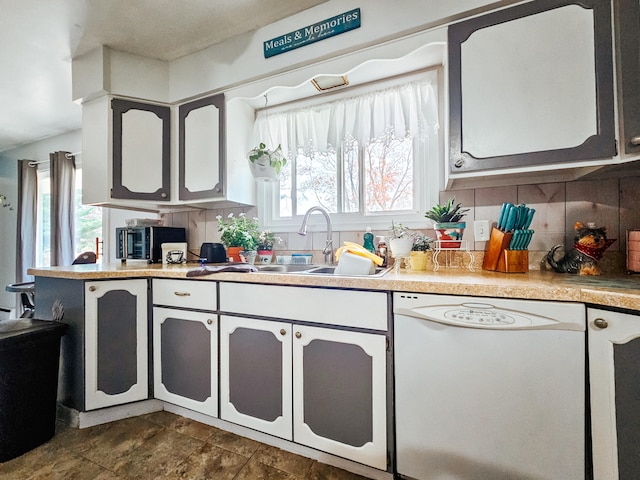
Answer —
186 358
338 374
117 342
255 373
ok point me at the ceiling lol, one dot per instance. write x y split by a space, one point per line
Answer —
38 39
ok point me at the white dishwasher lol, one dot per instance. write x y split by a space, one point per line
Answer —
489 389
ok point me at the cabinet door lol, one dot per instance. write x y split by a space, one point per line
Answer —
531 85
255 374
185 359
340 393
141 150
116 362
614 356
202 148
627 13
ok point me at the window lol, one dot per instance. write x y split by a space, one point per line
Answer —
368 157
88 221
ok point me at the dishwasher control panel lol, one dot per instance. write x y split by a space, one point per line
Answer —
489 312
479 317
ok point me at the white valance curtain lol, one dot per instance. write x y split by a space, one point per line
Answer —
404 110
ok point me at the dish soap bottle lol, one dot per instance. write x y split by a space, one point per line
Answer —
368 240
382 250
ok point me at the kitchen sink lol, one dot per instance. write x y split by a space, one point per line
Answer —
290 268
315 270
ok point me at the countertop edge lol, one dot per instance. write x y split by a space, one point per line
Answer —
619 291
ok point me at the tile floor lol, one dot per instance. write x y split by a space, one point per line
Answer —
164 446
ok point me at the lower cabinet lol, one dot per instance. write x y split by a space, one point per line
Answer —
255 374
614 356
185 344
185 356
116 361
320 387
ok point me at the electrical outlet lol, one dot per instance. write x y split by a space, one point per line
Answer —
481 230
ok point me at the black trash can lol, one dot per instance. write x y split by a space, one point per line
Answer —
29 361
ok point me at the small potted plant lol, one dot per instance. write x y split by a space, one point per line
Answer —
418 254
401 240
266 241
447 223
238 234
266 164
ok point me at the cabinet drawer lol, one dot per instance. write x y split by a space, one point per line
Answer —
200 295
349 308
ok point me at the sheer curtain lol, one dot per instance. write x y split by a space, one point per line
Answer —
62 172
405 110
27 220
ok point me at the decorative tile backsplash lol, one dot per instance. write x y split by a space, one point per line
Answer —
612 202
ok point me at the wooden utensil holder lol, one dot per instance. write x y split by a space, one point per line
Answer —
499 258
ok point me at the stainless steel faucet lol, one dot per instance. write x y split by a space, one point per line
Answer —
328 247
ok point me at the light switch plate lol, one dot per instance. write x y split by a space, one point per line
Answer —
481 230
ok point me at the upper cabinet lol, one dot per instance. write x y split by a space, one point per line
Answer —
627 21
141 150
135 157
202 148
532 85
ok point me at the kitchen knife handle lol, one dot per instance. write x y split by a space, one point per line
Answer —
527 224
511 220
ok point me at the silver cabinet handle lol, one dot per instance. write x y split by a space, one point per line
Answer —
601 323
182 294
635 140
92 288
298 335
283 332
209 321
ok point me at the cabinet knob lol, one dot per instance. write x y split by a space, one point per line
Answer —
601 323
92 288
635 141
298 335
163 195
209 321
283 332
182 294
459 163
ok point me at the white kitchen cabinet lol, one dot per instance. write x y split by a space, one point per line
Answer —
116 342
531 85
255 374
614 377
126 152
185 351
201 140
185 344
323 386
339 392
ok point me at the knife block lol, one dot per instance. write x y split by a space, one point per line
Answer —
498 243
513 261
499 258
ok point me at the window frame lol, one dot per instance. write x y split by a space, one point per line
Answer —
267 193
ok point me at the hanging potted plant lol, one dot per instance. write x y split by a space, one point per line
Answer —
266 164
418 254
266 241
238 234
447 223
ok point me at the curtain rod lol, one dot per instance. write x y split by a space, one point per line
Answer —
68 155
